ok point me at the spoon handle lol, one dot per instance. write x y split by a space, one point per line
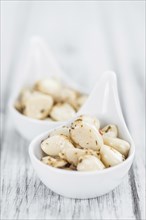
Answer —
97 99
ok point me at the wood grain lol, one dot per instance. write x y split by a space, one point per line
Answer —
25 197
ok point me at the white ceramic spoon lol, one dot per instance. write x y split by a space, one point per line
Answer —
103 103
40 63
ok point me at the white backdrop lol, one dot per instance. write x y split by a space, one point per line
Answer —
87 37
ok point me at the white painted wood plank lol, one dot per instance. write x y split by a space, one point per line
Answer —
30 199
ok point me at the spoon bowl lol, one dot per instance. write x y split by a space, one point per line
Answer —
29 127
39 60
103 103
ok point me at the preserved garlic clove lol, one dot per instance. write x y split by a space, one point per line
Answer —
49 86
25 94
63 131
118 144
54 162
53 145
92 153
68 95
109 131
18 106
38 106
90 120
89 163
72 155
86 135
110 157
62 112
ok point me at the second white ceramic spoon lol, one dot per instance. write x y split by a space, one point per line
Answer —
103 103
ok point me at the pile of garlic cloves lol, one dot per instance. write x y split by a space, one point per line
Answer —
50 100
84 146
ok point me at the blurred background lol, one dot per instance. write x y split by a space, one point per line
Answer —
87 38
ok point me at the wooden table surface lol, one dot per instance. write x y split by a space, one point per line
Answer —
23 195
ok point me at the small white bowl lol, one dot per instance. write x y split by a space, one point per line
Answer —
75 184
29 127
84 185
39 61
